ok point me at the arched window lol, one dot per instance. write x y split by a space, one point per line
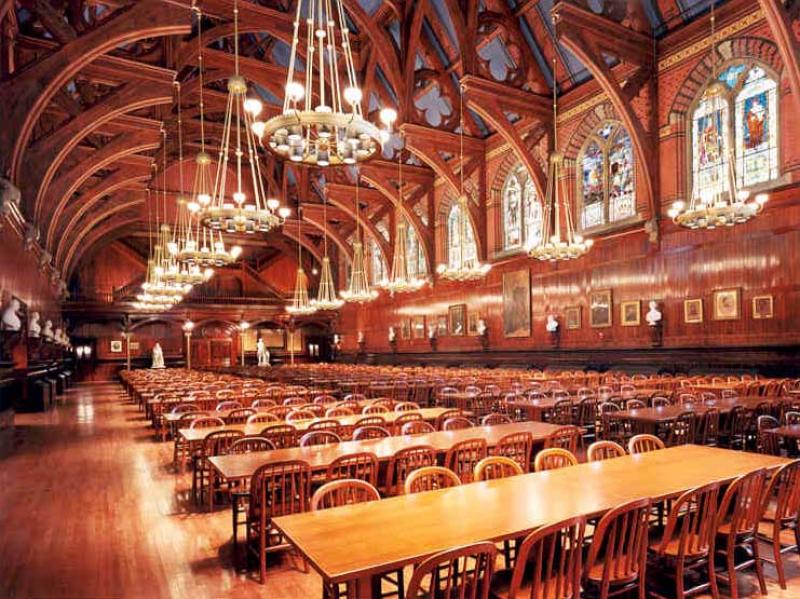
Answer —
376 264
454 243
736 118
416 264
522 212
606 177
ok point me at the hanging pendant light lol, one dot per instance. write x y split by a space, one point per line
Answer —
301 305
358 291
240 214
552 247
724 204
333 131
326 294
464 268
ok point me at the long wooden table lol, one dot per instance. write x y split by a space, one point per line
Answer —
352 543
538 409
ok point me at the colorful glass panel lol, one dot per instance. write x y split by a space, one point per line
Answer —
756 135
592 179
512 213
532 215
710 143
621 195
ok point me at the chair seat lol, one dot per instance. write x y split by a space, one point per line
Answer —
501 585
595 575
673 548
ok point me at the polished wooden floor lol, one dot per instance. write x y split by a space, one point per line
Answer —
89 507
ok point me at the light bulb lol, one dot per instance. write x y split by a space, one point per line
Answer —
353 95
762 198
193 207
295 91
284 212
273 204
204 199
236 251
258 128
388 116
253 106
238 197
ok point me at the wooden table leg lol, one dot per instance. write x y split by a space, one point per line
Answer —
361 588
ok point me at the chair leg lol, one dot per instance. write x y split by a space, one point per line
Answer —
776 550
732 570
679 581
762 583
262 554
712 576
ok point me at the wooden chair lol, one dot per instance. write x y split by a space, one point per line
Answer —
617 558
404 418
319 438
278 489
495 418
327 424
587 414
227 405
644 443
737 527
609 428
548 565
781 513
362 466
660 402
463 573
280 411
561 412
370 421
518 447
462 457
417 427
262 418
294 402
635 404
215 443
708 430
554 458
456 423
404 462
281 435
687 545
681 430
181 447
496 466
738 426
791 418
300 414
565 437
446 415
375 409
406 406
207 422
239 415
251 443
343 491
338 411
766 442
430 478
263 404
604 450
370 432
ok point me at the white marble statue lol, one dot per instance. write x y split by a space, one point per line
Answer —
34 328
653 316
552 323
482 328
392 334
431 331
158 356
360 337
58 337
11 320
262 353
47 332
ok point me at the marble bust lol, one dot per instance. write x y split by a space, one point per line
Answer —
47 332
482 327
653 316
431 331
34 328
11 320
392 334
552 323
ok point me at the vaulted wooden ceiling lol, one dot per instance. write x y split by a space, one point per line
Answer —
88 86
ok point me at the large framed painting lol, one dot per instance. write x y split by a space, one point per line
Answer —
517 303
441 326
600 308
418 327
726 304
457 315
405 329
763 307
573 317
472 324
630 313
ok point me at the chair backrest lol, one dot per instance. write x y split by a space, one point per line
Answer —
516 446
185 408
462 457
262 417
280 411
281 435
327 424
659 401
218 442
495 418
742 505
691 523
604 450
446 415
791 417
228 405
187 418
240 415
430 478
300 414
635 404
587 409
207 422
406 461
619 546
370 432
456 423
565 437
370 421
554 458
343 492
496 466
417 427
280 489
785 487
461 573
375 409
319 438
338 411
324 399
738 420
250 443
294 402
561 412
405 417
406 406
263 403
555 552
644 443
708 432
362 465
682 429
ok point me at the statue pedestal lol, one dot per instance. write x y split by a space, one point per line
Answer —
555 338
657 335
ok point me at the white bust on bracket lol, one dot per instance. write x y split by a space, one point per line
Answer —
552 323
653 316
34 328
47 332
482 327
11 321
392 335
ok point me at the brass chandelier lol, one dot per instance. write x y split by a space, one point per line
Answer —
552 247
301 305
723 204
238 213
326 294
463 268
358 291
326 126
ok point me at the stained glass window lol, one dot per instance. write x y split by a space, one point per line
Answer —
415 255
522 211
377 266
738 120
454 245
606 177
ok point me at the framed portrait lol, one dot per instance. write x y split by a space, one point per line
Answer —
572 315
472 324
441 326
418 327
763 307
405 329
517 303
630 313
116 346
726 304
600 308
457 317
693 311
